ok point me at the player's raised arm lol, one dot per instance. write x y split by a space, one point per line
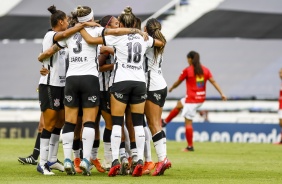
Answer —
49 52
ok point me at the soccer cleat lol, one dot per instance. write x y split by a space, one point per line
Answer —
124 166
85 167
28 160
56 166
132 166
161 167
115 168
167 166
188 148
98 166
163 123
129 161
45 170
137 171
106 165
132 163
68 167
76 163
148 166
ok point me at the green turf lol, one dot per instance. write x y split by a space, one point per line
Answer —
210 163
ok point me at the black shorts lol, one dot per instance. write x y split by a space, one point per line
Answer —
129 92
105 101
83 89
157 97
51 97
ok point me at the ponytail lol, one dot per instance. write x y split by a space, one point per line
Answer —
56 15
198 70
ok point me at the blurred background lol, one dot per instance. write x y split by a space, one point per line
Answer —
238 40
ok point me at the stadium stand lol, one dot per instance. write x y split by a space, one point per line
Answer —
238 41
32 17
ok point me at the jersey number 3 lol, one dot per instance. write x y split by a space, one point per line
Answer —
78 39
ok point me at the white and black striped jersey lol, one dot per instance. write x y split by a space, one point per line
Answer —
104 77
129 56
154 76
56 64
82 56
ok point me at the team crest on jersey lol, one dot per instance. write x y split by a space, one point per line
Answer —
92 98
118 95
157 96
144 97
56 102
68 98
62 52
200 81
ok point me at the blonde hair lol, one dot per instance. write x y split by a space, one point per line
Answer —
127 18
80 11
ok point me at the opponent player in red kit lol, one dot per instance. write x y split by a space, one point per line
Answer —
280 106
196 76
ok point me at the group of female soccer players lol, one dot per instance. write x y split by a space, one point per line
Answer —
113 70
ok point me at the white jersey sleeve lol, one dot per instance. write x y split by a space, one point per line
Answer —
150 42
154 76
55 64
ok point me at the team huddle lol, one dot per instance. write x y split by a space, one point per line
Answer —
113 70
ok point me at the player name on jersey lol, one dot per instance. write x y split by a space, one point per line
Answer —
78 59
132 67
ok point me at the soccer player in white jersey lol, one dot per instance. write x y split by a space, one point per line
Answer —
157 92
81 84
51 92
128 87
106 60
82 71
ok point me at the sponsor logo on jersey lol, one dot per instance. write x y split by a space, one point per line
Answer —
201 93
56 102
133 36
78 59
157 96
68 98
144 97
132 67
62 79
118 95
92 98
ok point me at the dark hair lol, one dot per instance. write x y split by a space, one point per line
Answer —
127 18
106 20
138 23
198 70
56 15
154 27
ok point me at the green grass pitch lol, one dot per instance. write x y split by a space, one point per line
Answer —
210 163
